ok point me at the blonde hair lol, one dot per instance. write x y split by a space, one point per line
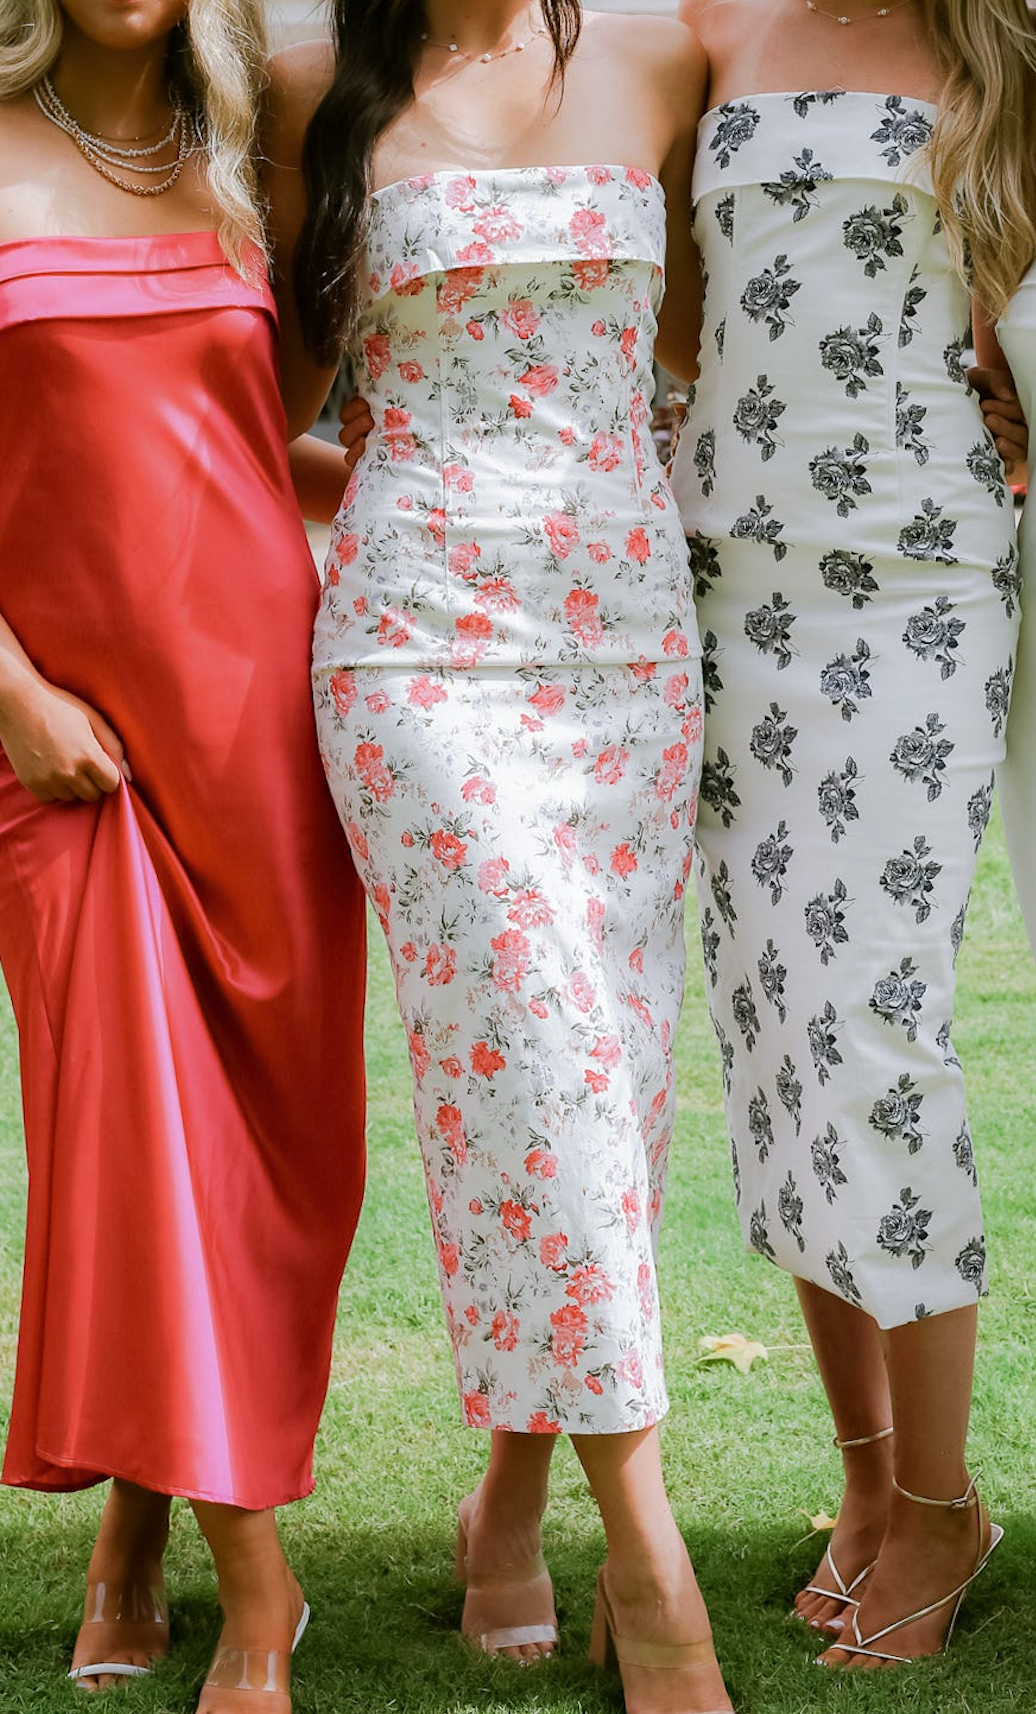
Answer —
982 151
216 67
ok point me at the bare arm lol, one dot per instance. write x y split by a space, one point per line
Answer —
994 384
298 79
60 748
320 472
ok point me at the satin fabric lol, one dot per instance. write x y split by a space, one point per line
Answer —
185 958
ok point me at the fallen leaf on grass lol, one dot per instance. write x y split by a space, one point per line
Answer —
819 1520
732 1348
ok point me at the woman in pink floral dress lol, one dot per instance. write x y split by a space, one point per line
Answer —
508 697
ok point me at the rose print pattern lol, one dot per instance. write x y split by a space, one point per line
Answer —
509 704
860 590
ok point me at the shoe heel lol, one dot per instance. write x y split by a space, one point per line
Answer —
602 1645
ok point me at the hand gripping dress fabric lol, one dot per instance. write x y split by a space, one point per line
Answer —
1016 776
186 956
857 584
508 701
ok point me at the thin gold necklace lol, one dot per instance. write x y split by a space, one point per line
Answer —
453 47
861 18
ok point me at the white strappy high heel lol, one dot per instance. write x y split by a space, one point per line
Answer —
843 1591
954 1600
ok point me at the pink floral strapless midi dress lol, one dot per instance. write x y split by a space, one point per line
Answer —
507 687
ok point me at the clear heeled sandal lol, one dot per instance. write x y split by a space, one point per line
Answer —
142 1615
610 1651
239 1675
515 1577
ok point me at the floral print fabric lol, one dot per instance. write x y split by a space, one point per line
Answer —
507 684
857 585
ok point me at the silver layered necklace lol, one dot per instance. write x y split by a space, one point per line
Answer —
112 159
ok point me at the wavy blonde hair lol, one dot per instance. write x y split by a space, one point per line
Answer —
217 58
983 150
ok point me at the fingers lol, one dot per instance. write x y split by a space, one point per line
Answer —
111 744
992 383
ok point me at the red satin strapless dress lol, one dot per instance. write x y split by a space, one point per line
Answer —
185 958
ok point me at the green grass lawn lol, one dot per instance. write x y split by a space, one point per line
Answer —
747 1456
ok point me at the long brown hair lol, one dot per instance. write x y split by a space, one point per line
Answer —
377 49
982 151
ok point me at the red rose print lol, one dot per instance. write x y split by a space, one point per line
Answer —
610 765
460 192
425 692
624 861
516 1220
368 760
485 1060
476 330
530 909
637 176
394 628
590 275
437 525
562 532
457 288
605 452
458 477
451 1067
580 991
419 1058
521 319
377 354
590 1284
410 371
346 549
599 175
553 1250
505 1330
343 690
358 840
478 790
607 1050
449 1258
496 225
541 1423
596 1080
548 699
581 612
675 690
673 771
631 1210
477 1413
492 876
540 380
377 702
599 552
631 1369
520 407
594 1385
406 280
540 1164
496 594
637 545
449 850
464 558
395 426
569 1335
450 1121
674 643
440 965
510 959
589 229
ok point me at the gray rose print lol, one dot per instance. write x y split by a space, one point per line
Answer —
841 475
769 628
952 359
725 216
921 755
929 535
767 296
789 1207
772 741
821 1033
757 525
837 1264
964 1153
825 921
836 799
710 944
759 1233
933 635
971 1263
717 787
756 416
772 977
760 1124
912 301
874 234
735 1172
904 1230
712 684
1007 580
726 1055
980 808
826 1162
720 884
789 1092
909 879
705 461
902 132
945 1045
987 468
897 1114
770 861
897 997
846 680
910 425
847 573
796 186
998 696
719 336
742 1005
705 564
804 103
957 931
737 126
851 356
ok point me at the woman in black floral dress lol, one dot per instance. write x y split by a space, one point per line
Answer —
856 573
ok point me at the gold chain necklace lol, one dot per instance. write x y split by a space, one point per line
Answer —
843 18
107 157
453 47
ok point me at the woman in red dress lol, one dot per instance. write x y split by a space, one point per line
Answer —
181 930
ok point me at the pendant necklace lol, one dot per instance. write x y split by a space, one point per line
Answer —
453 47
861 18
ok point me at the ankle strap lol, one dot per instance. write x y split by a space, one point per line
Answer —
864 1439
967 1499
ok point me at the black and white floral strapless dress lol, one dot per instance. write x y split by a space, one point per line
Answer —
856 577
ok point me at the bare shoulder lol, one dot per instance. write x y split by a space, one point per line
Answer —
298 78
664 52
711 19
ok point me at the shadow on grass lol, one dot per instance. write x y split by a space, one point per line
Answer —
386 1614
